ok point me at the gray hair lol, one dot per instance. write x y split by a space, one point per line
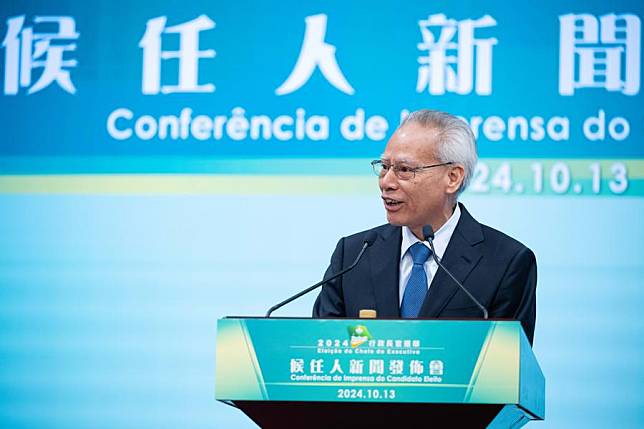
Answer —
455 141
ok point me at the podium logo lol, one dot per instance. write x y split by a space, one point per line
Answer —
359 335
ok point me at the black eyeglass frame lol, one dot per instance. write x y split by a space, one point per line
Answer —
413 170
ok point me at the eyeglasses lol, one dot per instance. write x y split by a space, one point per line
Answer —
403 172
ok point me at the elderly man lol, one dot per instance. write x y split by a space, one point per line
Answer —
427 163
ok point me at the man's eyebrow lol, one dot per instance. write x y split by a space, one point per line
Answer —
403 161
399 160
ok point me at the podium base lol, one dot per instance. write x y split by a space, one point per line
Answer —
355 415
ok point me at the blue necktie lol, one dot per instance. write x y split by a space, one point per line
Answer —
416 288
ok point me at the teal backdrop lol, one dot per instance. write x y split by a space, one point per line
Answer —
165 164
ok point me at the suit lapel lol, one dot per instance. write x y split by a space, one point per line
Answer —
460 257
385 262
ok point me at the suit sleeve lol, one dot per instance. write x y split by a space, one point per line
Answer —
330 302
516 297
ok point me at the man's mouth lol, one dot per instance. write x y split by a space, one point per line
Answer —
391 203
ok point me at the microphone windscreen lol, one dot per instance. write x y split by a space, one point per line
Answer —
370 238
428 232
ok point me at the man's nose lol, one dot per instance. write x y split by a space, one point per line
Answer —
389 181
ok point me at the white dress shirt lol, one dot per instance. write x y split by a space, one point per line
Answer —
441 240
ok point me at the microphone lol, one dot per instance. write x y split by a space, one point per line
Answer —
428 234
368 241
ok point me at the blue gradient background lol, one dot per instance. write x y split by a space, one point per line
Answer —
108 303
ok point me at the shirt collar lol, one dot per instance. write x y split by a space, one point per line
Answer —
441 237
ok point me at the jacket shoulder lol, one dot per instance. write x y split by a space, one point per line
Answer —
501 241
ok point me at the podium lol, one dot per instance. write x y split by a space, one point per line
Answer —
354 373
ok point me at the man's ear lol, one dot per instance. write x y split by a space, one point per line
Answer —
455 177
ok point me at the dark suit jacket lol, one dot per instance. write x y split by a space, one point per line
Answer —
498 270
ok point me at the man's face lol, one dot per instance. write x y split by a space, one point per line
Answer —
422 199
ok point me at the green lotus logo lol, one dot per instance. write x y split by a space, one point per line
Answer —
359 334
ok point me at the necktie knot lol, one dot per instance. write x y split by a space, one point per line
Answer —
419 253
